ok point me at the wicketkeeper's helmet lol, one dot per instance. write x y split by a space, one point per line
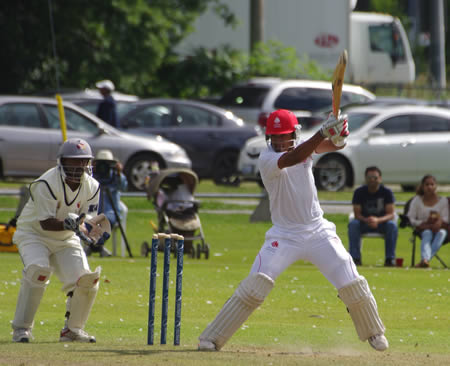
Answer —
74 148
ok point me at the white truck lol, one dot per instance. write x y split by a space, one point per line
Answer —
377 44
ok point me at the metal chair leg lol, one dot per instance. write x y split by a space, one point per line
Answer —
440 260
413 257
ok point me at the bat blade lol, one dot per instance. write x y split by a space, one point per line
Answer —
338 81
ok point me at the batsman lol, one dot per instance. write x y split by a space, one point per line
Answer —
299 231
61 210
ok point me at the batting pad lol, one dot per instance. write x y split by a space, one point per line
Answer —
248 296
34 281
362 308
79 302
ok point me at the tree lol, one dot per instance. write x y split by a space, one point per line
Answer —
126 41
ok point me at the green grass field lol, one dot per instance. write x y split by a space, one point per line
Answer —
302 322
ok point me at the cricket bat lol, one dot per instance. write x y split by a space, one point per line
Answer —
338 81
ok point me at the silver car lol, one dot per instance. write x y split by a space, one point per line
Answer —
405 142
255 99
30 136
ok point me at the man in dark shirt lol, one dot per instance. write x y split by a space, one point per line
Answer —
374 210
107 108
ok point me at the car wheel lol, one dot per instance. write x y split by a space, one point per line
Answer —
138 169
225 169
332 173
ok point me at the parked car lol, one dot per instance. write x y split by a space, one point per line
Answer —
405 142
89 99
211 136
30 136
256 99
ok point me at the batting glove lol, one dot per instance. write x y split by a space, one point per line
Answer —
334 127
341 139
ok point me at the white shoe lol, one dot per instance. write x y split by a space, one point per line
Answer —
379 342
22 335
207 346
80 336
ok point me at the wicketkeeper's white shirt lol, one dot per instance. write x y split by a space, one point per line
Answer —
294 204
51 197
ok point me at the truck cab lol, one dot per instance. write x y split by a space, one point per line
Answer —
379 50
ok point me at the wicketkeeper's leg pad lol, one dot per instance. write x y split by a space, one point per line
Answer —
81 299
362 308
248 296
34 281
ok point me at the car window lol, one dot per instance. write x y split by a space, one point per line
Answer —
357 120
188 117
250 96
349 98
309 99
424 123
397 124
91 106
386 38
152 116
19 114
74 120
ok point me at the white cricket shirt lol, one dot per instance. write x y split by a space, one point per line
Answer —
294 204
52 198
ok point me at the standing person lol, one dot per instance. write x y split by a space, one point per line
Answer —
299 231
374 210
107 108
108 172
47 242
428 214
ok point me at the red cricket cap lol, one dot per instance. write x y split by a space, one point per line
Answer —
281 122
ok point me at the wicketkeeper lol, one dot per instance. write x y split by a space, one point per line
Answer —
299 231
59 213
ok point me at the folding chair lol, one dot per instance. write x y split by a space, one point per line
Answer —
351 216
404 222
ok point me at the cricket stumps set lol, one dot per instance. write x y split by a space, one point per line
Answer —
168 239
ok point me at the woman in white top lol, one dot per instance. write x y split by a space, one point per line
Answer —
428 214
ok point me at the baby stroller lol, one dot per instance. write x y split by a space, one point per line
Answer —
172 194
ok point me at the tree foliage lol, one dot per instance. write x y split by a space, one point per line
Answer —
124 40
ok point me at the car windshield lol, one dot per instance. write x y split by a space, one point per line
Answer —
74 120
357 120
245 96
92 105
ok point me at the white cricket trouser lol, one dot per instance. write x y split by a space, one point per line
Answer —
68 263
321 246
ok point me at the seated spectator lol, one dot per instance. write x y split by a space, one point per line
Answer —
428 214
108 172
374 209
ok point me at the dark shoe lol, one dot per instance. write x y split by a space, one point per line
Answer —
104 252
389 263
422 264
358 262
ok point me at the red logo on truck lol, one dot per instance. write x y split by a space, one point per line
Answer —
326 40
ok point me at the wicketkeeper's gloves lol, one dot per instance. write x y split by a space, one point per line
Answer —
73 222
98 228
